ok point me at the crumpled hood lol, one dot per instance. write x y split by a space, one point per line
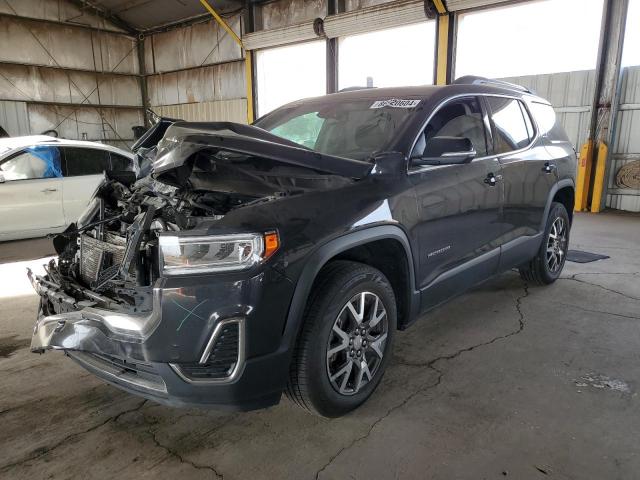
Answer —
183 139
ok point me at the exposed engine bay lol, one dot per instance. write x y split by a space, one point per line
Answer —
110 257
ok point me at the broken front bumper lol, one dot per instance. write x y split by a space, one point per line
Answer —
191 349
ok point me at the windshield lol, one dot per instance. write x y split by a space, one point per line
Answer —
351 129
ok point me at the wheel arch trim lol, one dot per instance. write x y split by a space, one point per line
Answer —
323 254
559 185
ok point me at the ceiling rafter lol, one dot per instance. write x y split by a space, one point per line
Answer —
86 5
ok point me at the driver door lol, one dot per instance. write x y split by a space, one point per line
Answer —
31 194
459 205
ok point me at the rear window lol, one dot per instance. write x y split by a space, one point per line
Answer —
120 163
353 129
510 128
85 161
545 116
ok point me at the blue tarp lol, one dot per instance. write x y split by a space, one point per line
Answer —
51 156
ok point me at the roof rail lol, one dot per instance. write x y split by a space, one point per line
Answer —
353 89
475 80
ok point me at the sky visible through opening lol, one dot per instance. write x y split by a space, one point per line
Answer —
533 38
523 39
285 74
391 58
631 50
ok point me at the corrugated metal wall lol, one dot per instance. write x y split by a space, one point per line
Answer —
626 147
197 73
571 95
14 118
74 72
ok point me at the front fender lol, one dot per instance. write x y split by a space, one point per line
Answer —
324 253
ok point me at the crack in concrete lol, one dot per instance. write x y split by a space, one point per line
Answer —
632 317
175 454
451 356
602 273
48 449
431 365
377 422
574 279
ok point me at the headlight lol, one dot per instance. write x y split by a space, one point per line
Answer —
216 253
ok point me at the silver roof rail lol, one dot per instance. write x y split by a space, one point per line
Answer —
353 89
475 80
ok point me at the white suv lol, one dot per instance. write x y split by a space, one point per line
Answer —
47 182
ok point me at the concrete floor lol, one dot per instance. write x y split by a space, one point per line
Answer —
507 381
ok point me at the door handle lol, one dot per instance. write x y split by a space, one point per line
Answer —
492 179
548 167
49 190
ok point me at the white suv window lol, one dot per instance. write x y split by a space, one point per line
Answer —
33 163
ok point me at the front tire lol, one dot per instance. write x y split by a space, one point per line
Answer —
346 339
547 265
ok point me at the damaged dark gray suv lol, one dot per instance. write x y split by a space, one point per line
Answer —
283 256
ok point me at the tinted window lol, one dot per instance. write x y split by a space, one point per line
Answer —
85 161
32 163
120 163
509 125
459 118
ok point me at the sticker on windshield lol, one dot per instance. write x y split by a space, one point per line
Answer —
395 103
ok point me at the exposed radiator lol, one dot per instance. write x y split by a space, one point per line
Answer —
96 255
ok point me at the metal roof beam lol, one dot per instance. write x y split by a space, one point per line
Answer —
103 13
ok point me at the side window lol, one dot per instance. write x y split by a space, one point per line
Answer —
544 115
509 124
120 163
85 161
458 118
34 162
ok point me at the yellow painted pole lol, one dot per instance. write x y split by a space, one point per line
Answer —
598 181
443 45
439 6
248 70
222 23
584 176
248 75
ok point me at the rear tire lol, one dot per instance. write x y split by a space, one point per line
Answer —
339 361
547 265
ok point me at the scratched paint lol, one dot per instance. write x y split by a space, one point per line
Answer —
189 313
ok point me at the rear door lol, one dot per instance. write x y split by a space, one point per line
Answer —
31 194
84 172
458 206
529 172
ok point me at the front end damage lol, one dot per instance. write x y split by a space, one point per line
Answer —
123 304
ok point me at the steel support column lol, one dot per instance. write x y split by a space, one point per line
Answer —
445 44
595 155
143 79
332 52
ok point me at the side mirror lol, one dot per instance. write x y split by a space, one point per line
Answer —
446 151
